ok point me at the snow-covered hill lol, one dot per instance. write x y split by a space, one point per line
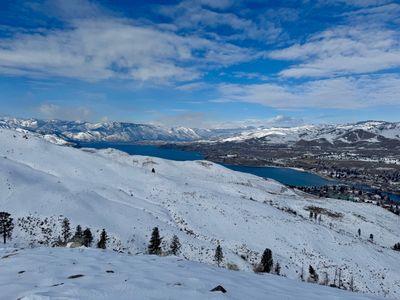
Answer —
42 274
202 203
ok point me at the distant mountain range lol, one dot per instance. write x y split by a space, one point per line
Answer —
361 134
76 131
365 134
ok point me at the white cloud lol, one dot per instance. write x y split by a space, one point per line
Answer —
198 17
103 47
185 119
343 50
340 93
54 111
277 121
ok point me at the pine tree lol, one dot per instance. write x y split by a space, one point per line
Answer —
78 236
277 269
66 230
175 246
311 215
313 276
87 237
359 232
371 237
219 255
102 243
155 242
267 261
6 226
396 247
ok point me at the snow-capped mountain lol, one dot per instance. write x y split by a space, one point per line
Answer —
356 134
202 203
76 131
384 134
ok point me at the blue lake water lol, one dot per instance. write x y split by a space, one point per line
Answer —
148 150
284 175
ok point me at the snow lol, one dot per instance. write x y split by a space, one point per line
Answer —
202 203
42 274
313 132
129 132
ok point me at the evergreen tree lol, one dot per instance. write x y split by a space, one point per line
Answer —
102 243
311 215
65 230
359 232
155 242
6 226
78 236
313 276
277 269
175 246
267 261
219 255
371 237
87 237
396 247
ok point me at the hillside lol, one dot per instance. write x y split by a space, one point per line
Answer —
39 274
202 203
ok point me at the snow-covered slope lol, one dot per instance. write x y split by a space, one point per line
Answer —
42 274
202 203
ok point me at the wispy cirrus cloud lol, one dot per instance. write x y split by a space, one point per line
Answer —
341 51
204 17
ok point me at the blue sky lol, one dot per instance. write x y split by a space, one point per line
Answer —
206 63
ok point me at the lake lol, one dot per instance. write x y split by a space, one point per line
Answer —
148 150
284 175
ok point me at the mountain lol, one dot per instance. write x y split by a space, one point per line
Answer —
76 131
92 274
361 134
201 202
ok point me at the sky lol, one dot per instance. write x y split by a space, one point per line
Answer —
204 63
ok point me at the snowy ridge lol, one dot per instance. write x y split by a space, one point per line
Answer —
202 203
368 131
76 131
